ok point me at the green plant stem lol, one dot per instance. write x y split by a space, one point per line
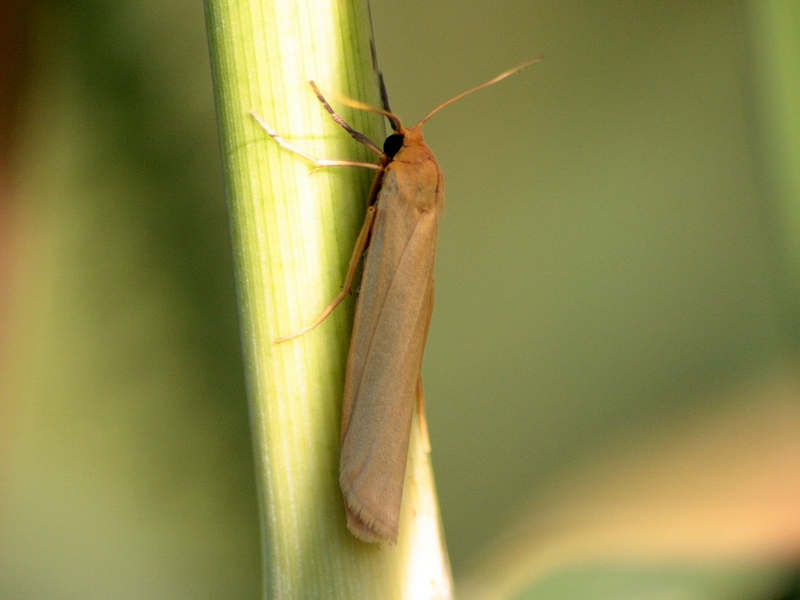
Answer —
293 230
774 31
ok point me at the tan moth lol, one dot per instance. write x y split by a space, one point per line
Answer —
392 317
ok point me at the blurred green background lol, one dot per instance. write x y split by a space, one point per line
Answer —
612 374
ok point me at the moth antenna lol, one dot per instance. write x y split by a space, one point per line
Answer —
480 87
385 97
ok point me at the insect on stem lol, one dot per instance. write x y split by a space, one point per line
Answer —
383 382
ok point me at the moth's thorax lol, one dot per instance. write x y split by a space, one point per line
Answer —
414 150
413 175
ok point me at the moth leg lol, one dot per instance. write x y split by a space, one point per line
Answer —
361 243
317 162
356 135
423 422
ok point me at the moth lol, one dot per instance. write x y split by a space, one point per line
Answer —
393 314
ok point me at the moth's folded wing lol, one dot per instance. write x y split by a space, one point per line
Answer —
375 444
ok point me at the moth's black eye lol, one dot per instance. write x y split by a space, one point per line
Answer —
393 144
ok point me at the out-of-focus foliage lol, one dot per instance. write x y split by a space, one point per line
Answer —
126 471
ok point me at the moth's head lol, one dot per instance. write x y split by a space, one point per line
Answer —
408 136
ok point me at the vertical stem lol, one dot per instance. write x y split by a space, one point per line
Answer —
774 31
293 231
